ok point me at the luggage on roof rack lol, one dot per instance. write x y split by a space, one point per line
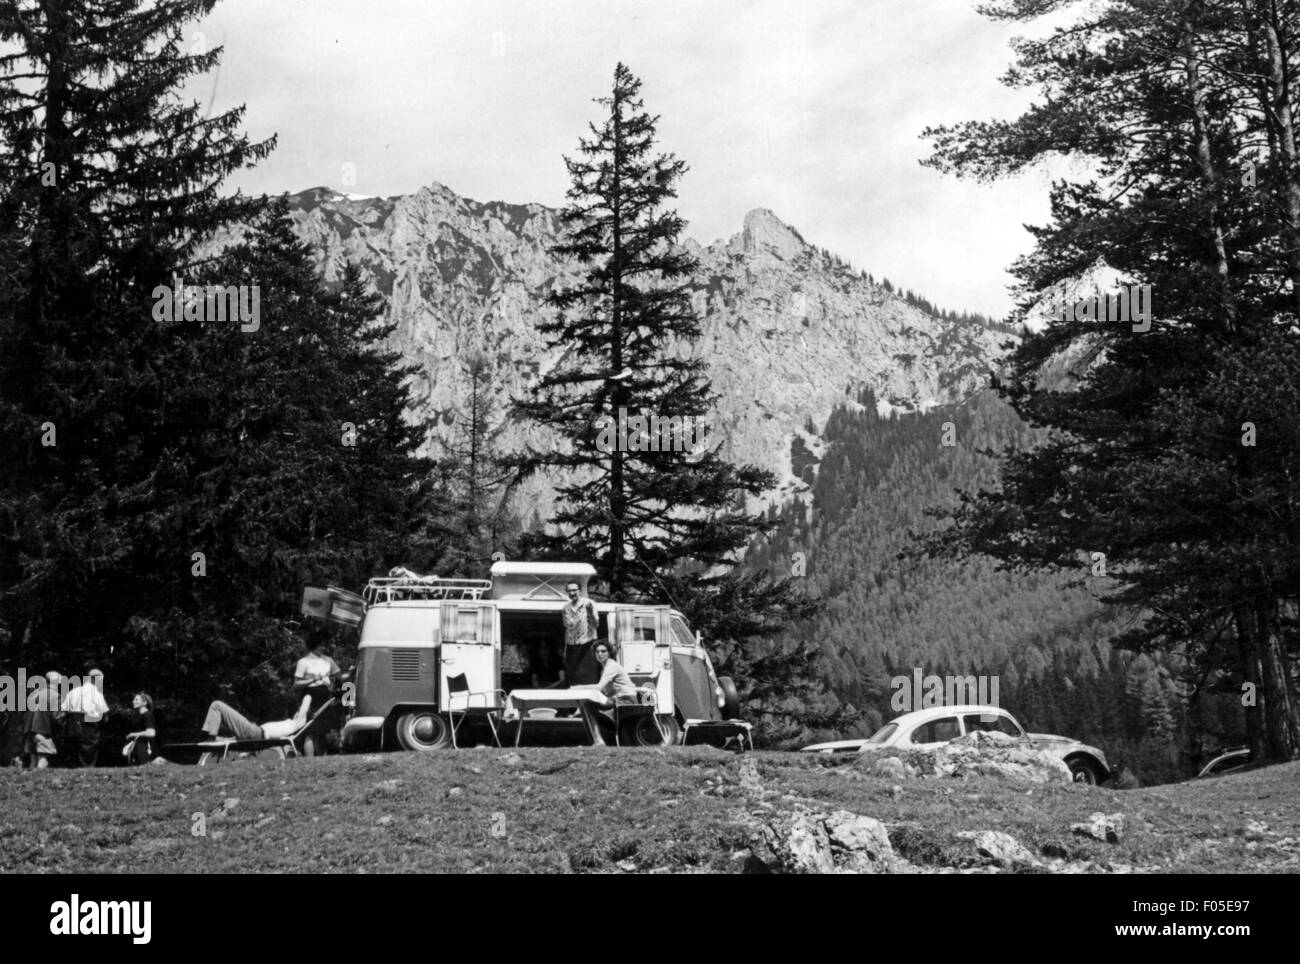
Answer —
402 585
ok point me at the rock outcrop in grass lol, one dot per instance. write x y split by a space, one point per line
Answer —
980 754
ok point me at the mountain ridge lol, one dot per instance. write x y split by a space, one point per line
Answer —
789 329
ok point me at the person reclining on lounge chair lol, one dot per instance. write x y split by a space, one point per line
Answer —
225 720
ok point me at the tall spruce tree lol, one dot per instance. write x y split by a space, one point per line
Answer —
639 510
108 181
658 520
167 484
1169 453
290 462
475 472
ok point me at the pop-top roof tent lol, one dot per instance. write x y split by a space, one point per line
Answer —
538 581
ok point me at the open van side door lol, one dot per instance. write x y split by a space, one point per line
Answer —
468 643
643 646
333 605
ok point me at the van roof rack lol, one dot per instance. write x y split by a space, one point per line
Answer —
402 585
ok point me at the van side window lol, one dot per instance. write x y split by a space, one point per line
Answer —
467 626
643 627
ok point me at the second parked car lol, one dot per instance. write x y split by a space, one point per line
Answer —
922 729
1226 762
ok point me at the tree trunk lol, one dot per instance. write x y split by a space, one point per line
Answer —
1252 682
1281 115
618 396
1281 708
51 226
1209 178
1273 723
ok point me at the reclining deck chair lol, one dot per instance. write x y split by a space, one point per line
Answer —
219 749
646 705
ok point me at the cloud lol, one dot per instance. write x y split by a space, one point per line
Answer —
811 109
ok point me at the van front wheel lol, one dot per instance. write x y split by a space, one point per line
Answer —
423 731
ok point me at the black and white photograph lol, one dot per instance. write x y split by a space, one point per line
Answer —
650 437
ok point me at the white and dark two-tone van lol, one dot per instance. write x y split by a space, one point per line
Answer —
426 640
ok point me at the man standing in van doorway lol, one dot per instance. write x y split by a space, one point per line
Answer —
580 626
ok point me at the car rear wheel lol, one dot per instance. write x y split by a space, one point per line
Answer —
423 732
1085 771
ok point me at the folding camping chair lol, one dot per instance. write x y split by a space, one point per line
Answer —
740 730
458 690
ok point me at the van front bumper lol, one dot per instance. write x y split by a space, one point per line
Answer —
360 724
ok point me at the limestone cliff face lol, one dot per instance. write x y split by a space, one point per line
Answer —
788 331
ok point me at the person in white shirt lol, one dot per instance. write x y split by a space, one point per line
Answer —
85 708
313 680
314 676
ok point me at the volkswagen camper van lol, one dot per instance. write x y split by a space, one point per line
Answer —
434 649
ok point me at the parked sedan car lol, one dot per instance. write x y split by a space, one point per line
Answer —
939 724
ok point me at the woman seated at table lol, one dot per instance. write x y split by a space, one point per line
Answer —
614 683
614 686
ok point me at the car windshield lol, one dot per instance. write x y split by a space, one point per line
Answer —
883 734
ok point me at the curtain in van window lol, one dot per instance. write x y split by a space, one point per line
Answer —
663 629
622 626
485 625
447 633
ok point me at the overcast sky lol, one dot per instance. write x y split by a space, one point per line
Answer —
810 109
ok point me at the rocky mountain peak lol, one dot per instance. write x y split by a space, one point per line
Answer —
765 233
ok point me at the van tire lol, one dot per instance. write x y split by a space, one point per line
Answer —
422 732
730 698
656 731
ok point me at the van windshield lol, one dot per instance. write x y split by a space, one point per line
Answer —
681 633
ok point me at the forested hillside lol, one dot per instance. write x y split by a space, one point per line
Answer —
886 609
